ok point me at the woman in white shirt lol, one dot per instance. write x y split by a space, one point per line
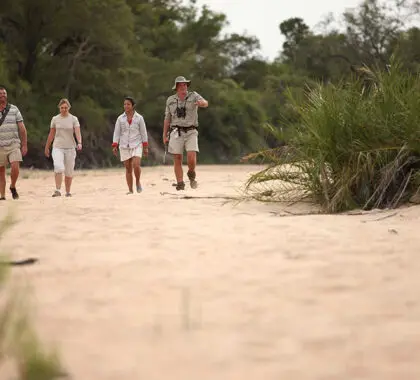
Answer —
130 137
63 127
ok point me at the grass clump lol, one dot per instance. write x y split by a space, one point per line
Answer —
20 346
357 145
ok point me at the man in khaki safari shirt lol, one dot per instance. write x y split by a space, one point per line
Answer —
181 121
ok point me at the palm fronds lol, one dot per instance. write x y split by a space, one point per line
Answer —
357 144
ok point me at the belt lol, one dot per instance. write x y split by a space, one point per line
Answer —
183 129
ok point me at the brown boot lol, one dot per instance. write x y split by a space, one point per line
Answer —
180 185
14 192
191 177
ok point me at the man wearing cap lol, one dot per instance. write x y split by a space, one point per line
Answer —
180 129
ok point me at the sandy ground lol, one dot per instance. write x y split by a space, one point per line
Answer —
152 286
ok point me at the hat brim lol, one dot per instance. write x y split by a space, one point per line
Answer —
188 82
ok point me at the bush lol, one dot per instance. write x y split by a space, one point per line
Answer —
357 145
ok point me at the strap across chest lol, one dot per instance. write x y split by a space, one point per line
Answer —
4 114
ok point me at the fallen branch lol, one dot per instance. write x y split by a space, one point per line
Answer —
191 197
286 213
381 218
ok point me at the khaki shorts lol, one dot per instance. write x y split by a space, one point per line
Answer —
10 154
64 160
188 141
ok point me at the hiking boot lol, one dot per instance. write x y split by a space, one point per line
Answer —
68 194
191 177
180 185
14 192
56 194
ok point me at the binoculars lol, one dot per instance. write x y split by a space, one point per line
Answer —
181 112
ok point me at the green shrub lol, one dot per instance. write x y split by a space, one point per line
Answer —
357 145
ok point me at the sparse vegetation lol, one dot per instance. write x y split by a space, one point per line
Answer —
19 343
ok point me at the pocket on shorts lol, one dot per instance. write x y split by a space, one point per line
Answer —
15 155
174 134
3 157
192 133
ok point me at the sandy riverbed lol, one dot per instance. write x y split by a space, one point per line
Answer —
154 287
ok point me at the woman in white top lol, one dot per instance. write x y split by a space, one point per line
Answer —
62 130
130 137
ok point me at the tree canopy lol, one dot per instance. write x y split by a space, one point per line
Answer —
97 52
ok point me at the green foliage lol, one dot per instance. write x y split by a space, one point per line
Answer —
97 52
4 74
357 144
239 114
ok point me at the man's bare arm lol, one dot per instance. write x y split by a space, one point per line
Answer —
166 124
203 103
200 101
23 137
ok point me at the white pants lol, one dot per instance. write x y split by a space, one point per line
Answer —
64 160
127 153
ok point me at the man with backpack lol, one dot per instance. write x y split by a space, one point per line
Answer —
13 143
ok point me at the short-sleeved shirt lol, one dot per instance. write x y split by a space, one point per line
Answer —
9 130
191 117
64 130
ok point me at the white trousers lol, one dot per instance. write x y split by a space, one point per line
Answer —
64 160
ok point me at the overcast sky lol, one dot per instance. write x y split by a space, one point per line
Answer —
261 18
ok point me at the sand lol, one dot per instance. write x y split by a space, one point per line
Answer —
152 286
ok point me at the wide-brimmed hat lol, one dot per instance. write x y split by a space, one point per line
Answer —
180 79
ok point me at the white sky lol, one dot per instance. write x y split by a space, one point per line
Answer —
261 18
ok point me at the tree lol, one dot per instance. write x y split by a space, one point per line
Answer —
371 28
295 31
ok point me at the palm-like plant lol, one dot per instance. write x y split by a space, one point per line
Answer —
357 145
